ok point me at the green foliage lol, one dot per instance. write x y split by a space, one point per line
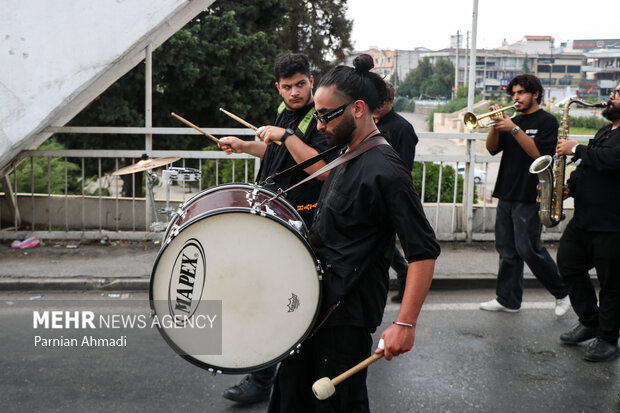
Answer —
452 106
317 28
36 169
463 90
432 182
222 58
402 104
526 66
588 122
224 170
428 79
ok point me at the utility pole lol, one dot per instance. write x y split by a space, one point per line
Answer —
468 195
465 75
456 65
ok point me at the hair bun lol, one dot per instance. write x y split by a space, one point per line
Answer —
363 63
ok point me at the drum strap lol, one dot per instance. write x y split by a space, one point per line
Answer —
369 143
300 166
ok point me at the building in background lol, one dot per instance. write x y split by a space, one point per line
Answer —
574 68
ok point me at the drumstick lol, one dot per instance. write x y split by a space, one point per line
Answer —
188 123
325 388
243 122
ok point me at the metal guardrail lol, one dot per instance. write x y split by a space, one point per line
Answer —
106 215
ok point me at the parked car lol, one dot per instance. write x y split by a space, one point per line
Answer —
479 174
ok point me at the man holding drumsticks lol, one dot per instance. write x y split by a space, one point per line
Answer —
296 129
363 203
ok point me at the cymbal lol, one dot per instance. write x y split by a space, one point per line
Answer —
145 164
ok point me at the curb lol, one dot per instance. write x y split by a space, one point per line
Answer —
142 284
74 284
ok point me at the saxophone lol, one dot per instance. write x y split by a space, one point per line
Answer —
551 183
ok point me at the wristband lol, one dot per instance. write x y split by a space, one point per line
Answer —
402 324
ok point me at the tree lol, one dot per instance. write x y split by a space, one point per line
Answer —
428 79
317 28
526 67
223 58
411 86
443 78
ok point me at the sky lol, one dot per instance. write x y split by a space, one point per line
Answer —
407 24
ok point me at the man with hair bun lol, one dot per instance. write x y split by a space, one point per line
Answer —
363 204
401 135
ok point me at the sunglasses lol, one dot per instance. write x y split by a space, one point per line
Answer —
329 116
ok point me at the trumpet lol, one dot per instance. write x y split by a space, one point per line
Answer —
472 121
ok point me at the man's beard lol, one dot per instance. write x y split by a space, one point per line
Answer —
611 113
525 105
343 132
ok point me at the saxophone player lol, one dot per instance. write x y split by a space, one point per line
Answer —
517 226
592 237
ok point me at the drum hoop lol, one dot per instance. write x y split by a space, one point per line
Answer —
242 370
239 185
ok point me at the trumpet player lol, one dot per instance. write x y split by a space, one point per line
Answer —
521 140
591 238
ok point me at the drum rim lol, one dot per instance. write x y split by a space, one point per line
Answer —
166 233
241 370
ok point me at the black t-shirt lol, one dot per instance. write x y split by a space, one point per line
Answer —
595 184
277 158
514 181
401 135
362 204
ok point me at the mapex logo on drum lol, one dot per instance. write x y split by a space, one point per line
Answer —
187 280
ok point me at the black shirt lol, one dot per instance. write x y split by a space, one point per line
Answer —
277 158
514 181
362 204
595 184
401 135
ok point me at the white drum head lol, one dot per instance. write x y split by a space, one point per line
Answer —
259 269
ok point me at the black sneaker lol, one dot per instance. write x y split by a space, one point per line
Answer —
600 350
247 391
579 333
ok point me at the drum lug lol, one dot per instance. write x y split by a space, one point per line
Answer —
298 225
174 231
214 372
180 213
319 269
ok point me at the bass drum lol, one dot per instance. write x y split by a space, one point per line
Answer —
235 287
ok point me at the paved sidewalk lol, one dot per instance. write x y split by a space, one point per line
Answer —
125 265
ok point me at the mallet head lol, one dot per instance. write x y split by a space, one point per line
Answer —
323 388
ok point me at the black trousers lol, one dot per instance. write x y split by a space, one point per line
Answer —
330 352
579 251
517 240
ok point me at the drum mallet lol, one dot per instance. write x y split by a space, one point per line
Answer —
324 388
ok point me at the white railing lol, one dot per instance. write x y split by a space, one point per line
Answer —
466 212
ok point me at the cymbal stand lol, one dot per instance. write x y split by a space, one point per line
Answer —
156 225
